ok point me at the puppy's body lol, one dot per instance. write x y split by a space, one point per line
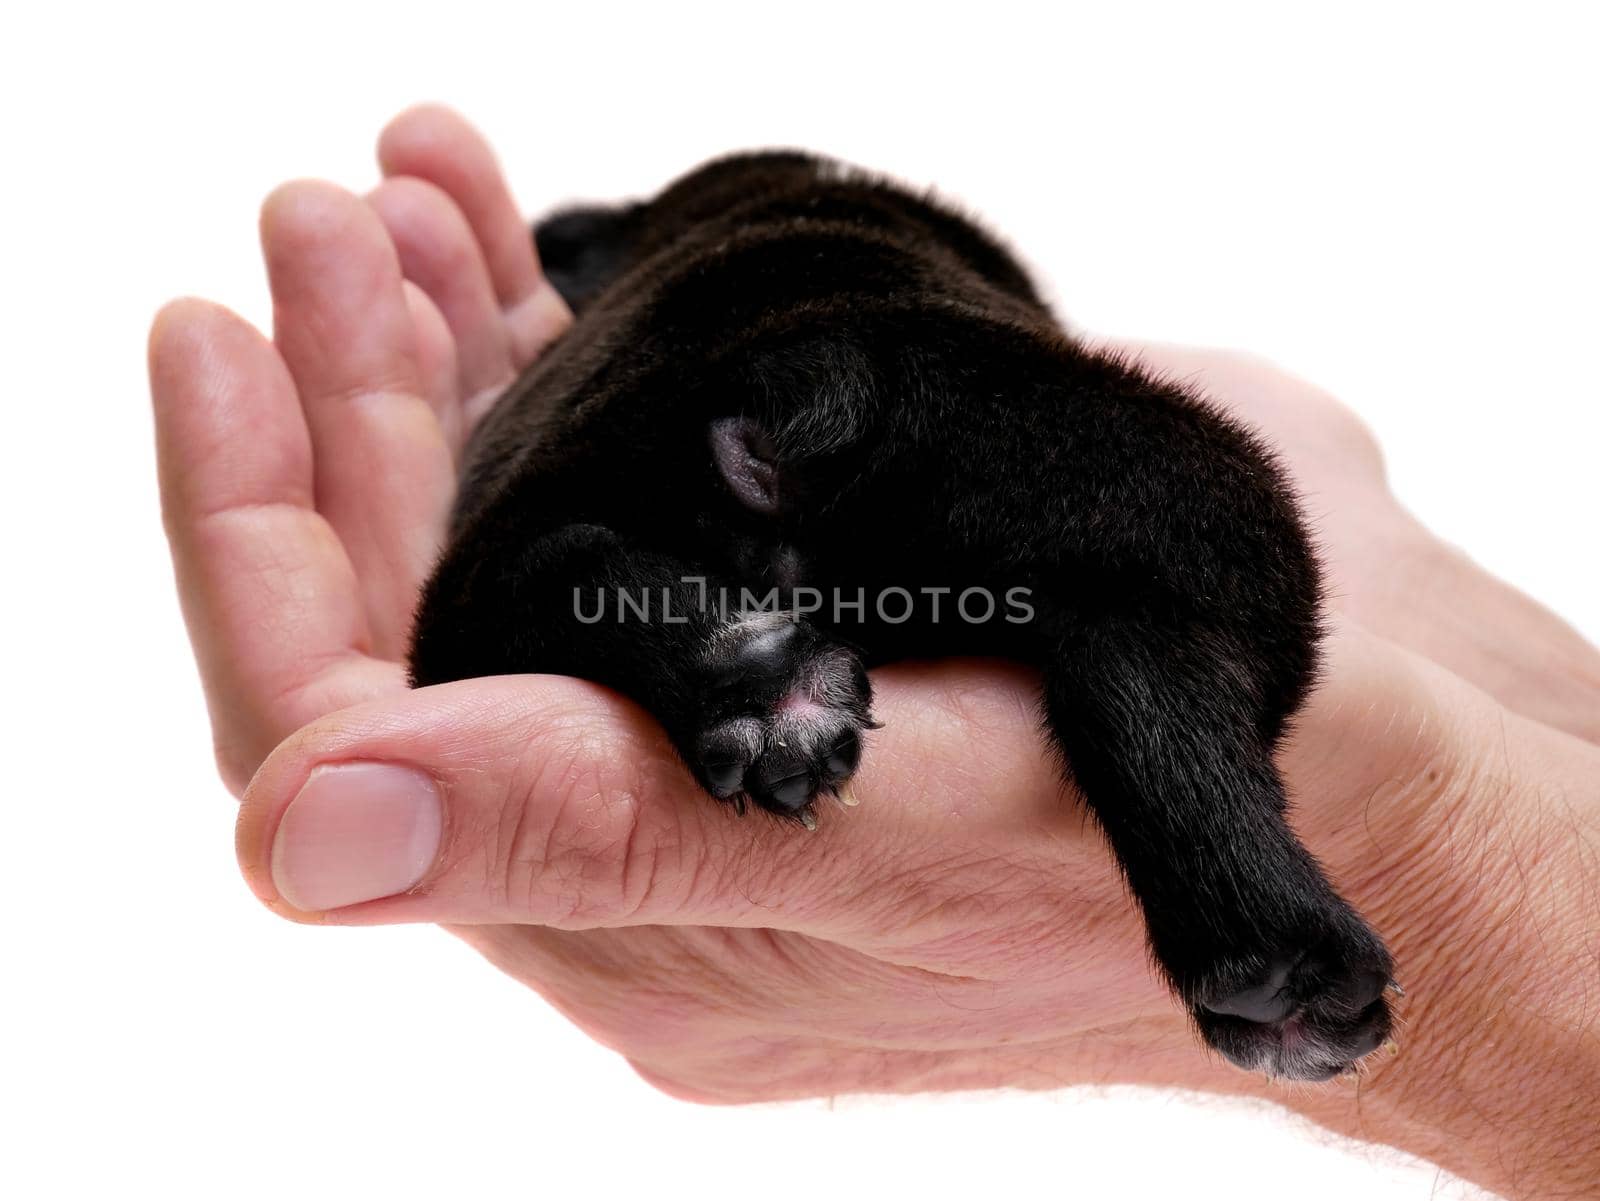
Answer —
786 375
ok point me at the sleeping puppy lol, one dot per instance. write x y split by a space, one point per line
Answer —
806 422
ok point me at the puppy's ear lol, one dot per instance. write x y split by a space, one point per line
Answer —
748 461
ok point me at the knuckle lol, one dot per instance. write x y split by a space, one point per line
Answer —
584 839
1347 435
1337 425
1338 429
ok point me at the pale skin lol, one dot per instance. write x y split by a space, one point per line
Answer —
964 926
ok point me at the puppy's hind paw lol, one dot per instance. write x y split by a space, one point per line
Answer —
1308 1014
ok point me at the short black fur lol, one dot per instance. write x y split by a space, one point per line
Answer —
787 374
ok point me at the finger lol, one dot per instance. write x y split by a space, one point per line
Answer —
433 143
439 253
548 801
436 364
268 593
383 471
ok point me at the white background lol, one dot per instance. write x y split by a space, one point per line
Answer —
1398 203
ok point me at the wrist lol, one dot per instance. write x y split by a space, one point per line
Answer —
1475 861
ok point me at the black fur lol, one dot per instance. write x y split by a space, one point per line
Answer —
787 374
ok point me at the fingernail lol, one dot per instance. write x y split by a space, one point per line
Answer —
356 832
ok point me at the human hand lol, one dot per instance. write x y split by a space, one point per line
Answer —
961 928
305 481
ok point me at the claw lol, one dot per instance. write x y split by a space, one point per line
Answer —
846 795
808 819
1394 987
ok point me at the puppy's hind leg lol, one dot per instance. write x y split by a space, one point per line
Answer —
1162 732
583 249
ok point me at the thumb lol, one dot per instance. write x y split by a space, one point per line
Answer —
531 799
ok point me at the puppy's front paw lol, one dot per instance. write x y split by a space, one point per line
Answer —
785 711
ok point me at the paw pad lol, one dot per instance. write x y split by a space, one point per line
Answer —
786 718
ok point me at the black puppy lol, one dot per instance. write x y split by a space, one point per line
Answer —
806 421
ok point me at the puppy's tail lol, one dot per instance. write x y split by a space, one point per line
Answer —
584 248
